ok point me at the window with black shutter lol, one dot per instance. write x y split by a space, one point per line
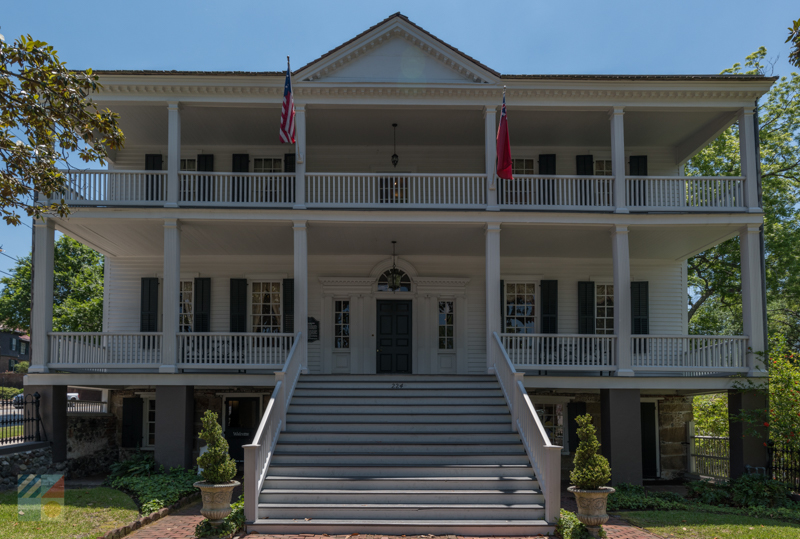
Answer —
132 408
148 320
546 192
584 166
238 306
202 304
637 190
203 183
640 313
549 306
241 164
153 187
289 166
288 306
586 308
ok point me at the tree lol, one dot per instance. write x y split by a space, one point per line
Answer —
794 39
714 275
46 114
77 290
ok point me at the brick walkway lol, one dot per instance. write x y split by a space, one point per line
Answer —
178 525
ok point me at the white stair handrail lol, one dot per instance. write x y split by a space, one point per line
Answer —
544 456
258 454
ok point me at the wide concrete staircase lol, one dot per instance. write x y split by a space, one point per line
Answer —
363 454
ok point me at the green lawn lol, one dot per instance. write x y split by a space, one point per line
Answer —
697 525
8 432
87 513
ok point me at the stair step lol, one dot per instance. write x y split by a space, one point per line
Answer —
417 511
351 437
419 459
400 448
395 409
364 426
326 391
368 415
430 496
396 399
339 526
408 384
395 471
297 482
393 378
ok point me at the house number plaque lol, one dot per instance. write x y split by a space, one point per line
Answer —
313 329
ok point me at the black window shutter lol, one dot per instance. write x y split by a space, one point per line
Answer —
549 306
289 162
638 165
640 308
288 306
205 162
586 307
132 409
502 306
202 304
238 306
584 165
148 319
241 162
547 163
153 184
153 161
574 409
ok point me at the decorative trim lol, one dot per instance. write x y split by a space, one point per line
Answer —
521 278
402 264
266 276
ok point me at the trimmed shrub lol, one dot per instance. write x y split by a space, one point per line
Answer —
591 471
218 466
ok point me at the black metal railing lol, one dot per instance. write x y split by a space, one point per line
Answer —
783 463
20 420
86 407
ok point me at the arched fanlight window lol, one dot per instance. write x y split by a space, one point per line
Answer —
394 280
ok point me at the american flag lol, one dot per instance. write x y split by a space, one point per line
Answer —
503 145
287 110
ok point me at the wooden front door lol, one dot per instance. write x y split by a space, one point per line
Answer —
394 336
242 416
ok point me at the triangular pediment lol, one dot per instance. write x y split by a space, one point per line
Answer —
396 51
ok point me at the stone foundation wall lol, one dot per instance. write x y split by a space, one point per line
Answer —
40 461
88 434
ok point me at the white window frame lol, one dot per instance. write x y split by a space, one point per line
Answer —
147 398
23 347
596 318
251 291
454 337
525 169
262 158
538 401
186 162
337 324
606 165
536 282
14 345
182 303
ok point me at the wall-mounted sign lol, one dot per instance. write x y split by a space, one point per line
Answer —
313 329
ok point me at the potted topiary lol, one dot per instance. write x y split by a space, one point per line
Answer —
218 470
591 472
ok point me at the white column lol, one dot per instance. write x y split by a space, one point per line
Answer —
747 153
173 153
300 157
42 308
489 114
493 312
618 158
622 298
752 296
170 303
301 289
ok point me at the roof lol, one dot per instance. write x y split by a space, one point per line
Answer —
398 15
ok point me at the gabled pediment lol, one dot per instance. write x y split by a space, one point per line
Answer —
396 51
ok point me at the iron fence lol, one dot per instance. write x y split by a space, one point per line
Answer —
709 456
91 407
783 463
20 420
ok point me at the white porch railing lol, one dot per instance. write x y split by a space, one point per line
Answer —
241 350
105 350
689 353
237 189
110 187
400 190
258 455
544 456
706 193
549 191
557 352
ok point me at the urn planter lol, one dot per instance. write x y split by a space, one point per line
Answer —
592 507
216 500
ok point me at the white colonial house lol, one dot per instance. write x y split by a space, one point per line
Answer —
404 347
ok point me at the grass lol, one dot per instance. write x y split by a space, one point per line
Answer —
8 432
87 513
698 525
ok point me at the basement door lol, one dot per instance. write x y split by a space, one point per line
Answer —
649 440
393 336
241 422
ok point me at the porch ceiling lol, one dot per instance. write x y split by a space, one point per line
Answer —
145 237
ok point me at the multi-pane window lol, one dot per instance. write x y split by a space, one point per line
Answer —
149 422
446 325
267 164
552 418
186 307
604 303
188 164
266 307
403 281
602 168
341 324
23 348
522 166
14 344
520 302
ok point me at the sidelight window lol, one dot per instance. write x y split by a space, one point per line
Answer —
149 418
341 324
446 325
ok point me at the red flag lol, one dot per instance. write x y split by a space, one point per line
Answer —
503 145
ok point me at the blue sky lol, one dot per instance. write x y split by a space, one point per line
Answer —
527 36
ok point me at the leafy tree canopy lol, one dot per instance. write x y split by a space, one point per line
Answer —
78 290
46 114
794 39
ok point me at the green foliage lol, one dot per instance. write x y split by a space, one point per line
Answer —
569 527
22 367
46 114
591 469
709 493
218 466
636 498
794 39
752 490
158 490
139 465
711 414
8 393
230 525
77 290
